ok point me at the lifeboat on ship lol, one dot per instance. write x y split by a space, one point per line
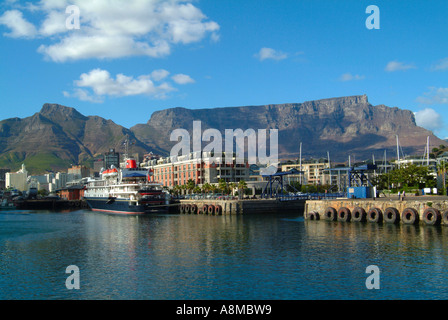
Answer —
109 173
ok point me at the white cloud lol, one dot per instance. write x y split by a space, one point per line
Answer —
182 79
429 119
350 77
95 85
20 28
269 53
441 65
83 95
434 96
113 29
398 66
160 74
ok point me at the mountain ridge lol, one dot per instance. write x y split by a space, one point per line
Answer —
58 136
340 125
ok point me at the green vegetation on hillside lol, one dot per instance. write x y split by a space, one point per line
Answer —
35 164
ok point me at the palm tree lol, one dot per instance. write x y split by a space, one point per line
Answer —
206 187
213 188
242 185
441 167
233 186
176 190
222 185
190 185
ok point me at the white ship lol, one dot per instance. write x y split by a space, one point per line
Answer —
128 190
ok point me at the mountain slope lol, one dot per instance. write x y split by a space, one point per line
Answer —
58 136
342 126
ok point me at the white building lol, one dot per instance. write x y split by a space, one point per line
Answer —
17 180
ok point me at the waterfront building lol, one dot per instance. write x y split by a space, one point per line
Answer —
178 170
3 173
17 180
419 161
79 172
75 192
313 172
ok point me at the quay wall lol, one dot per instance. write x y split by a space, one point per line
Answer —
50 204
420 205
239 207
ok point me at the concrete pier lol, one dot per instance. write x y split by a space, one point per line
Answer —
430 210
239 207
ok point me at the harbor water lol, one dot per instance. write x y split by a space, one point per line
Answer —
199 257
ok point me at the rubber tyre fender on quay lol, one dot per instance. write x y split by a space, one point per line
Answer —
313 215
204 209
432 217
218 210
445 217
182 208
344 214
331 214
211 209
187 208
375 215
410 216
391 215
359 214
194 209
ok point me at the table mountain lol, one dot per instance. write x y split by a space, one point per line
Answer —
58 136
343 126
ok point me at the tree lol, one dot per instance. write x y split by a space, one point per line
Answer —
43 192
222 185
190 185
207 187
242 185
442 166
232 186
213 188
407 176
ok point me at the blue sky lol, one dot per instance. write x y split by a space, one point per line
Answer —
131 58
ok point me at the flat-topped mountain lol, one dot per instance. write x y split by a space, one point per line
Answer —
343 126
58 136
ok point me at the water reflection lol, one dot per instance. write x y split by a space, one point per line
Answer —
413 258
216 257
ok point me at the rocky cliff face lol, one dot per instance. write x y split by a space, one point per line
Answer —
58 136
342 126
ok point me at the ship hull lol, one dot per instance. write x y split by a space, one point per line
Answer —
119 206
